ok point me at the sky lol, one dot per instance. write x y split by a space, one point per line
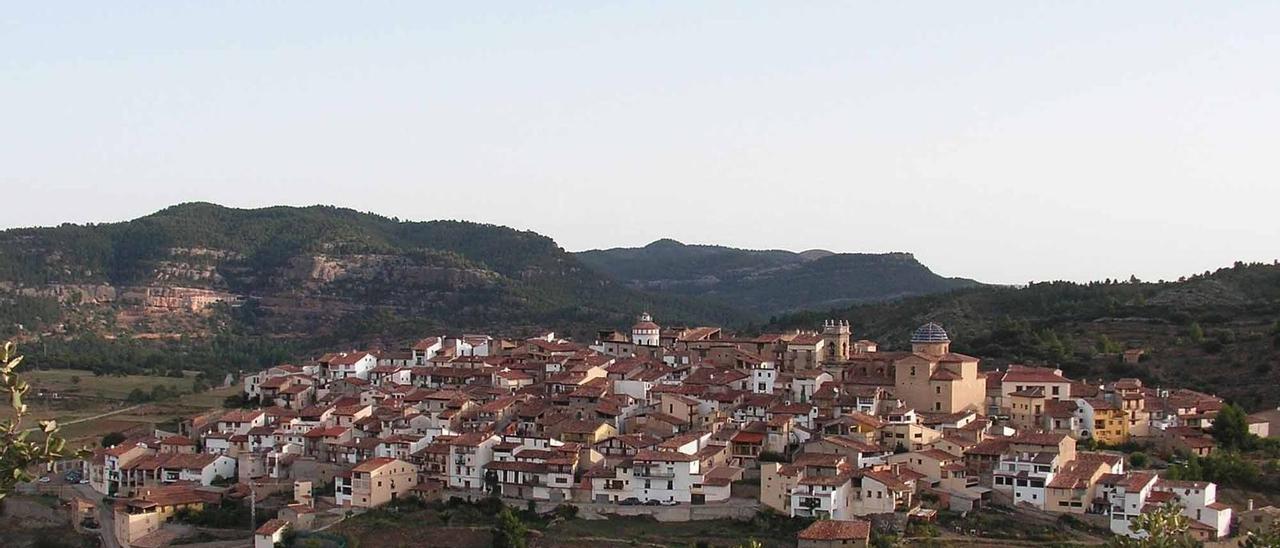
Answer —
1002 141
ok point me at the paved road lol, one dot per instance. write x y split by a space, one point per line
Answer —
105 515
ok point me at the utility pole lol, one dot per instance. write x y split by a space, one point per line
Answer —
253 506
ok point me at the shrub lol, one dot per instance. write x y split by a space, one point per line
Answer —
113 438
567 511
1138 459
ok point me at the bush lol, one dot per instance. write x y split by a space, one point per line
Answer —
490 506
566 511
1138 459
228 515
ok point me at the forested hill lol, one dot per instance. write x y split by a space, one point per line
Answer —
1217 331
306 272
771 281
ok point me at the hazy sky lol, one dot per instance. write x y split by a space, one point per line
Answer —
1001 141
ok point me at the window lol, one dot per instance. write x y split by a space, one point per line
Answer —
1054 390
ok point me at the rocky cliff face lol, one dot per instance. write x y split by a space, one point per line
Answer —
177 291
194 268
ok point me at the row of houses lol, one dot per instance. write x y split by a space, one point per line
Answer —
830 427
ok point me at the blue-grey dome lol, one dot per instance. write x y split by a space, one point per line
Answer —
930 333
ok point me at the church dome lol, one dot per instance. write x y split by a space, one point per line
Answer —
930 333
645 323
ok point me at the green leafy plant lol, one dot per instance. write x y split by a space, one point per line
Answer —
1164 527
18 449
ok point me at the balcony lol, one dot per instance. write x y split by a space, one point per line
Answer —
655 473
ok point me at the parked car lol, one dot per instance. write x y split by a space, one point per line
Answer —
45 479
629 501
652 502
83 481
669 502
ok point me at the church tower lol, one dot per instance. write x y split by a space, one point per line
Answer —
836 333
645 332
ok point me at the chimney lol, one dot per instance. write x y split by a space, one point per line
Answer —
1250 505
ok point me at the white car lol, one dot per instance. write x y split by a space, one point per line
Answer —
84 481
669 502
45 479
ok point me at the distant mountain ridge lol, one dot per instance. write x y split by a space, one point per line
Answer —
330 274
1217 332
770 281
306 271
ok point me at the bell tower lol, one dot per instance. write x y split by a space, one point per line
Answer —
835 333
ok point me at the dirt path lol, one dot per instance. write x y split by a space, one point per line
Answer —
95 417
951 537
631 542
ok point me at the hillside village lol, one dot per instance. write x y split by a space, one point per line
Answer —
814 424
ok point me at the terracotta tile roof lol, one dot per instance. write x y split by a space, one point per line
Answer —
1109 459
1060 409
649 455
471 439
1135 481
322 431
1038 438
168 495
518 466
938 455
423 344
1101 404
993 379
238 415
370 465
792 409
889 479
806 339
853 443
271 526
990 447
1023 373
344 358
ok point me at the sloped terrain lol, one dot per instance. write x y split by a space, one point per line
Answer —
1218 331
304 272
771 281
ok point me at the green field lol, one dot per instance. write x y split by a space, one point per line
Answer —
104 387
71 396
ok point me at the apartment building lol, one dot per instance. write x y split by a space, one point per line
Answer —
375 482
